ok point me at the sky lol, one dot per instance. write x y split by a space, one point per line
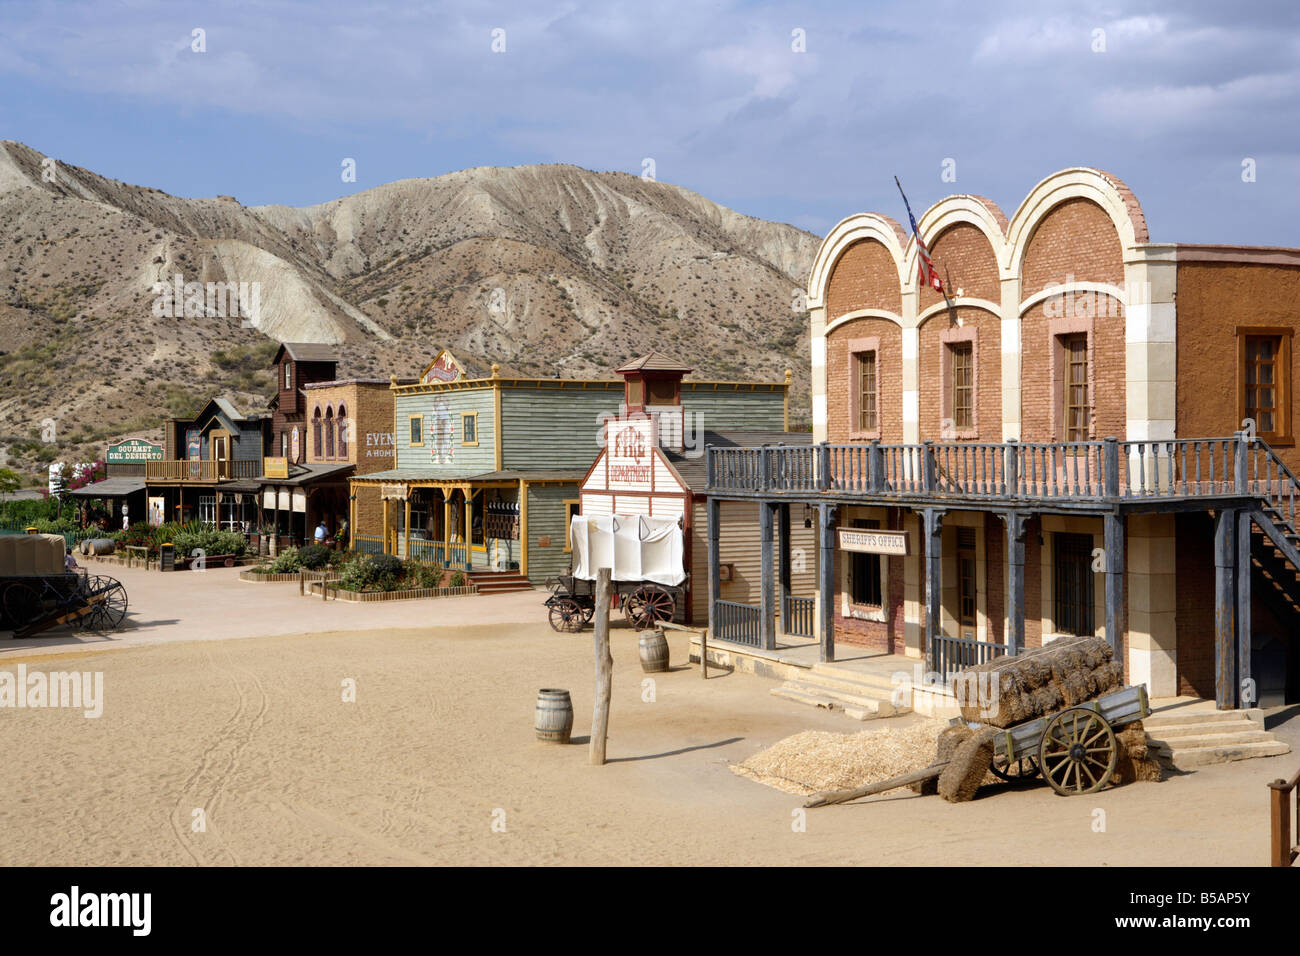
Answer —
796 112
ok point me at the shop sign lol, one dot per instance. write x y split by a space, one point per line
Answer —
275 467
130 451
444 368
629 452
873 542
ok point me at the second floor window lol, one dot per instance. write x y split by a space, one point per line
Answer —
1262 381
1075 399
868 415
963 385
288 375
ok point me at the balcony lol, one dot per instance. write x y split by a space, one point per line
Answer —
1092 473
202 471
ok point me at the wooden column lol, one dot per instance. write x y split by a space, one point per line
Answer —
352 519
446 529
385 540
826 579
1225 609
1113 526
767 577
1015 636
1247 693
406 526
713 511
604 670
469 530
932 533
783 556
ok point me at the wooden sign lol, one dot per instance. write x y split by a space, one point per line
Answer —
393 491
873 542
444 368
629 453
275 467
130 451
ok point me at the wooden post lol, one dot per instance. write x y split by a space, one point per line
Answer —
767 576
783 558
406 527
1015 637
1247 694
385 545
929 478
875 468
1113 526
1225 607
1110 467
604 671
446 528
469 530
713 509
824 466
352 519
1279 794
933 533
826 578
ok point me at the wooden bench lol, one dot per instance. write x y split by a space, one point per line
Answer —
134 551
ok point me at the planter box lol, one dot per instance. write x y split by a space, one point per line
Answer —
364 597
274 578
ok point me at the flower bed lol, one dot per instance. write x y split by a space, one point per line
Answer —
338 593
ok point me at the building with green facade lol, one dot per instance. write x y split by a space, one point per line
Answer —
487 468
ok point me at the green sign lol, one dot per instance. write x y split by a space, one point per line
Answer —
133 451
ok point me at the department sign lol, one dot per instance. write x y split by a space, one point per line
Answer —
132 451
873 542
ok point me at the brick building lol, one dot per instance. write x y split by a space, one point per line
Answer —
296 364
1064 450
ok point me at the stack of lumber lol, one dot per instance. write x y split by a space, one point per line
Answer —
1038 682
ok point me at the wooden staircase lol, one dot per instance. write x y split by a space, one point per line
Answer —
499 582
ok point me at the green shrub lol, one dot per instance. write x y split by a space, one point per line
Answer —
286 562
313 557
422 576
358 574
458 579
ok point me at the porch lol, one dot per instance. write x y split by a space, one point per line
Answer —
1239 480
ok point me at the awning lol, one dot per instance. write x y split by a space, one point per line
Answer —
110 488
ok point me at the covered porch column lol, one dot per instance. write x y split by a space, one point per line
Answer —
714 518
767 576
1113 525
1225 609
932 532
826 518
1015 633
783 557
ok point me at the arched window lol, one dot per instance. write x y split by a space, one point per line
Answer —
343 431
315 430
329 432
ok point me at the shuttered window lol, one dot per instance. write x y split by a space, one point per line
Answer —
867 413
966 576
963 385
1073 592
1262 382
1076 388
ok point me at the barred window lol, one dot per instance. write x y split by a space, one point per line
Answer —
963 385
1073 596
867 412
1076 387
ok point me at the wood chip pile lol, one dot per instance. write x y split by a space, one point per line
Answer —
1039 681
815 760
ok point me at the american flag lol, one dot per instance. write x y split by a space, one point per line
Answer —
925 266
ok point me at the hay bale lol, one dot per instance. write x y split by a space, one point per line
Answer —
1135 763
949 739
1132 740
965 772
1074 667
1034 672
1107 677
1046 700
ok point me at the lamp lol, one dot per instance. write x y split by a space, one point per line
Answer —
807 515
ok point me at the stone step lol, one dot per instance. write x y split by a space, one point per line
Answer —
1191 757
1181 716
1190 742
854 706
870 684
1175 731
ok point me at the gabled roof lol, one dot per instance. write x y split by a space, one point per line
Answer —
306 352
654 362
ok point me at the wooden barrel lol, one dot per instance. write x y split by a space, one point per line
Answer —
554 720
653 648
102 546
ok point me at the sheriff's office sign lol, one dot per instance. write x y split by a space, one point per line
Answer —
133 451
873 542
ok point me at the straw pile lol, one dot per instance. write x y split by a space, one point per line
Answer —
1135 762
813 761
1037 682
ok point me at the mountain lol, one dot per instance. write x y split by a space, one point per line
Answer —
546 270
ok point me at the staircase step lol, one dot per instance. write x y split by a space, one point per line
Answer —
856 706
1177 717
1173 731
1192 741
1189 757
871 684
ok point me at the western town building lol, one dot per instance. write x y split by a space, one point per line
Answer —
488 467
1098 437
652 462
297 365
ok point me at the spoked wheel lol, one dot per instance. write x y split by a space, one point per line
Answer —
110 605
647 606
588 613
23 604
1078 752
567 616
1019 770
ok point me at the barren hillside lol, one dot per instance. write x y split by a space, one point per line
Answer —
547 270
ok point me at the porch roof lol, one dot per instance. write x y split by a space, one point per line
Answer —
423 476
306 474
110 488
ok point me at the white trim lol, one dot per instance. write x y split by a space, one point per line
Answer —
859 226
1063 288
939 307
861 314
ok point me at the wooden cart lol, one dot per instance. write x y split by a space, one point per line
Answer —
37 592
1074 749
645 604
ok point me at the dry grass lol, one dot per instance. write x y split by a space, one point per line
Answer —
815 760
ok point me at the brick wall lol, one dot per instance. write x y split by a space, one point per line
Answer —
988 372
965 260
889 367
884 636
1076 238
864 277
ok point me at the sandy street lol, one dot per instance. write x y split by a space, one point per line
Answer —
255 732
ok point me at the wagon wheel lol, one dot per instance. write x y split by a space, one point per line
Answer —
647 606
110 607
1023 768
22 605
1078 752
566 615
588 612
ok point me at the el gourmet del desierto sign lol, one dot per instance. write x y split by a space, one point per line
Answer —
131 451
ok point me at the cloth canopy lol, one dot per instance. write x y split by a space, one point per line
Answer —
633 547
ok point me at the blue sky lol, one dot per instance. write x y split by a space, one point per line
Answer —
714 93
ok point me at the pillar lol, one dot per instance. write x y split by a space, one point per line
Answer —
1114 569
713 513
783 556
767 577
826 579
406 526
1247 695
1152 604
932 520
913 625
1225 608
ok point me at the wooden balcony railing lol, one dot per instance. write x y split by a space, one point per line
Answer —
1093 471
202 470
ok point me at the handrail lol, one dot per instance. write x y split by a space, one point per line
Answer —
1284 852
